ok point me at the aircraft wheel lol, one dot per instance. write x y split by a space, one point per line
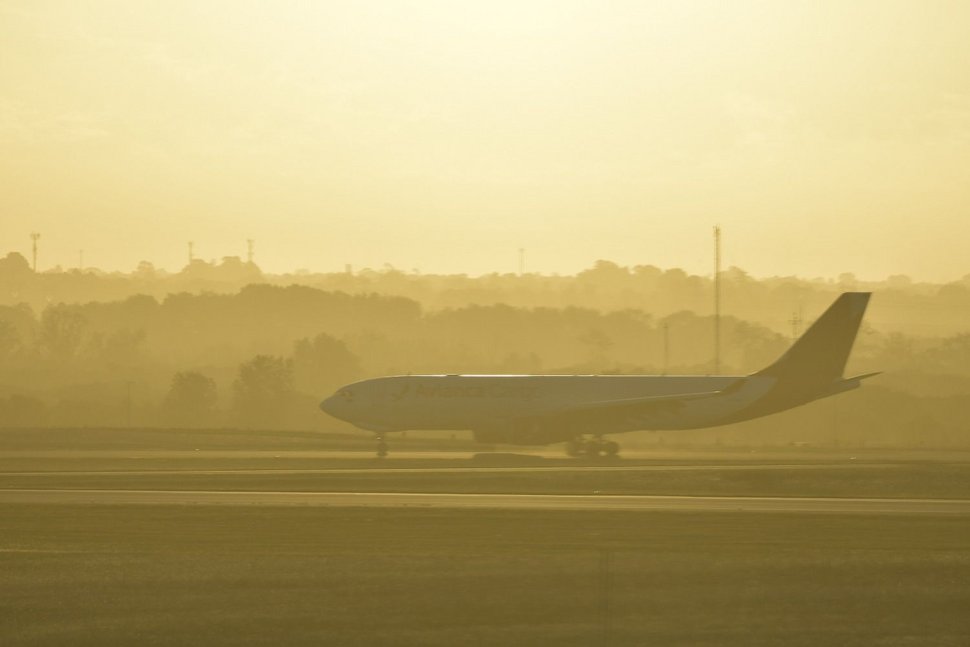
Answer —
610 448
593 448
381 448
575 448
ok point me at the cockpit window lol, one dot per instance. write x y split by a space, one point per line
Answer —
346 395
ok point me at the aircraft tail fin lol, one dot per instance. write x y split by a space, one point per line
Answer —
819 356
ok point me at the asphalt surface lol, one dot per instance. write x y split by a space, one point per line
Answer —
448 470
537 454
493 501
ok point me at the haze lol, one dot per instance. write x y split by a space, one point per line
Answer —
824 137
351 415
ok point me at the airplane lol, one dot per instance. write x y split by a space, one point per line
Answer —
580 409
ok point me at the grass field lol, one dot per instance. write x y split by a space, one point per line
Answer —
93 575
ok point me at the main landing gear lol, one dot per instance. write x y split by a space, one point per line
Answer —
592 448
381 446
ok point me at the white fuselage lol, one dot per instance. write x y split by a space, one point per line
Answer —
462 402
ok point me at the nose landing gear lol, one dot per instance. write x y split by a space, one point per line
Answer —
381 446
592 447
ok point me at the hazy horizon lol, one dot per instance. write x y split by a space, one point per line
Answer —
823 137
512 269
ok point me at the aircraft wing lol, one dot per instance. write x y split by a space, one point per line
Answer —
623 407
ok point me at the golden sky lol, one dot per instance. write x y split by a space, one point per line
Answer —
824 137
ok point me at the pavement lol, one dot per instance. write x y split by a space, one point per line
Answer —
791 505
465 469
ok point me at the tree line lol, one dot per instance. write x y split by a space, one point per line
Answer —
263 355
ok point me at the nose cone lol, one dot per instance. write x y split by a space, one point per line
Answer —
337 406
330 405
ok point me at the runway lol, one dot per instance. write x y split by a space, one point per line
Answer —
467 469
533 454
791 505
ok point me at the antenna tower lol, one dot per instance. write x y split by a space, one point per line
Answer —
191 252
717 300
666 347
35 238
249 250
796 323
